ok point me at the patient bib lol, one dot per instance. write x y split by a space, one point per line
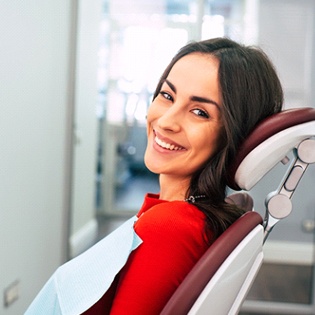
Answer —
81 282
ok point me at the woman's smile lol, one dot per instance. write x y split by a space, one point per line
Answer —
167 144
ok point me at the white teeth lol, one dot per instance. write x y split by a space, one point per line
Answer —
165 145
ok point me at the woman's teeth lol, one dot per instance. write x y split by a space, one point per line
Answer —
167 146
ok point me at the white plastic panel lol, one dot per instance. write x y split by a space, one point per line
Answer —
227 289
266 155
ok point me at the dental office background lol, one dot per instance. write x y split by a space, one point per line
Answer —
76 79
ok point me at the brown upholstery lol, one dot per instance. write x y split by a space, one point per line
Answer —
243 200
189 290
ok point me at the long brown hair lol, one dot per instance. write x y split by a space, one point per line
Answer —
251 91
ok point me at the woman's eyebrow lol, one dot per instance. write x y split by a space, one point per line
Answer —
171 85
198 99
204 100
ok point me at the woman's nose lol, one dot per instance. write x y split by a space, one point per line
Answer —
171 119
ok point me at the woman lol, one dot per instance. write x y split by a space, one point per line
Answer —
207 101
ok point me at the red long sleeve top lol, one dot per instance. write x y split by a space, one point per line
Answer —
173 241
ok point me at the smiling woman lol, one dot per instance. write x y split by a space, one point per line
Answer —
248 90
184 124
207 101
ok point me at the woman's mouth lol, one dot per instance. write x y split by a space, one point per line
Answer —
167 146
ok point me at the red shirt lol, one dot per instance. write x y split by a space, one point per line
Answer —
173 241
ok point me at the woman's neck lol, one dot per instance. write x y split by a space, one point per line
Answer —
173 188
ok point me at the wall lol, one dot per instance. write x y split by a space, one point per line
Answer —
35 100
83 223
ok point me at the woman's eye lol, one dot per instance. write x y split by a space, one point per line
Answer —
166 96
200 112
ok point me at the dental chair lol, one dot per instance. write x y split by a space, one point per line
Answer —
219 282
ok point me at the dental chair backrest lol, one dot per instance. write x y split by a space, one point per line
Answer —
221 279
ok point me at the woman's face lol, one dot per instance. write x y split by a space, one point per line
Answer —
184 120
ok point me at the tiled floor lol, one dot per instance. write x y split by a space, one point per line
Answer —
285 283
282 283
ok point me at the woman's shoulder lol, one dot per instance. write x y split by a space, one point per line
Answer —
172 217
